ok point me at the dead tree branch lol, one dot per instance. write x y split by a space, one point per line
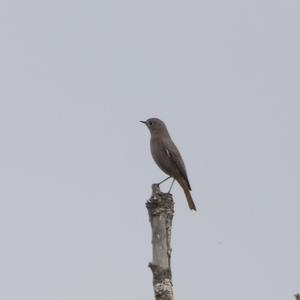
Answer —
161 210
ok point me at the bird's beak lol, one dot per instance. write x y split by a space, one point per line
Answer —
144 122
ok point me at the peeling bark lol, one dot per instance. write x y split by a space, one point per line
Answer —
161 210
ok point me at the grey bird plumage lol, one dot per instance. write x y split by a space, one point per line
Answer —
167 156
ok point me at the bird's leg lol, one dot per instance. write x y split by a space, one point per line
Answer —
164 180
171 186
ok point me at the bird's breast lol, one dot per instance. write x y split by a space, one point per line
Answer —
161 157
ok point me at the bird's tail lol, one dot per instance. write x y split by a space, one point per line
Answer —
189 199
187 194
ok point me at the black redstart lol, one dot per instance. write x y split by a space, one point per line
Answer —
167 156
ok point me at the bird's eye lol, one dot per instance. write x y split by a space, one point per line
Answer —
150 123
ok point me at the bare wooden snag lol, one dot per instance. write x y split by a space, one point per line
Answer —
161 210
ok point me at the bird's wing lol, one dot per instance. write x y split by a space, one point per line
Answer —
175 157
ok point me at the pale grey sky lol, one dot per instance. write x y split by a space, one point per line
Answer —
75 164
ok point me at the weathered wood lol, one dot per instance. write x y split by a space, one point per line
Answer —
161 210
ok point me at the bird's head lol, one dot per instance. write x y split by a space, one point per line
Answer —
156 126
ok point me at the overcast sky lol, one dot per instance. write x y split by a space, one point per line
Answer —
75 163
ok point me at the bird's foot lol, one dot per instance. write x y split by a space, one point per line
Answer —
155 188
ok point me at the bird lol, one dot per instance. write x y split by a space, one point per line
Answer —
167 157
